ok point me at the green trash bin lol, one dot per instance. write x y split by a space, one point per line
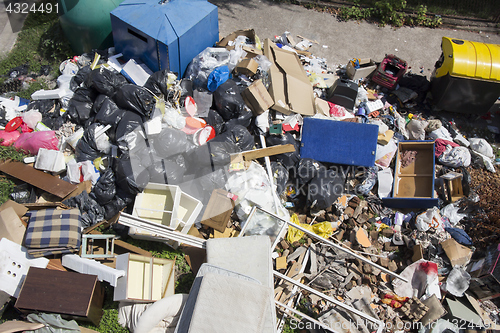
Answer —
86 23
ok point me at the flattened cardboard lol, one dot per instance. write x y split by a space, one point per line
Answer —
436 310
218 211
290 87
249 33
11 226
257 98
37 178
457 253
322 106
18 208
461 311
247 67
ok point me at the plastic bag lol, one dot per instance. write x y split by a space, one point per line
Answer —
31 118
429 219
105 81
204 63
451 212
416 129
455 157
8 138
481 146
165 171
105 189
215 120
230 104
32 142
42 105
91 211
160 82
287 159
204 100
86 149
217 77
109 113
80 105
238 135
211 154
280 177
457 281
324 189
440 133
323 229
79 78
131 179
170 142
135 98
308 169
129 122
422 279
120 201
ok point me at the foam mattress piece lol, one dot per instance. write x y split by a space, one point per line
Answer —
339 142
249 255
242 303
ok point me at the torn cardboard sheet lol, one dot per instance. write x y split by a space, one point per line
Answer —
11 226
457 253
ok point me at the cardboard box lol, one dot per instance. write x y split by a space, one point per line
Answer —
164 35
290 87
11 226
227 41
257 98
366 67
413 185
247 67
219 210
146 280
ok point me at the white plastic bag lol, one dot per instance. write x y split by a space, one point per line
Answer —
31 118
451 212
440 133
429 219
481 146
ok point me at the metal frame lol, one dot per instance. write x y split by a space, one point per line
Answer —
252 213
109 249
303 315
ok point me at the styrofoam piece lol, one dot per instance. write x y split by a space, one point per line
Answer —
374 105
49 94
135 73
28 160
92 267
14 265
75 137
114 63
153 126
50 160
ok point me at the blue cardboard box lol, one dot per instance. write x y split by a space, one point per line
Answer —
164 34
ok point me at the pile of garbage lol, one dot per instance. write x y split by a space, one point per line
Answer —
361 191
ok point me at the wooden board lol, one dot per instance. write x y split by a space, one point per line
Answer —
263 152
37 178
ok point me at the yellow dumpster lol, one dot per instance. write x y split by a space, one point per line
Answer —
466 78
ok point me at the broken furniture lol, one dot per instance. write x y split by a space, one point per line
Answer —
343 93
466 77
453 190
172 35
88 245
52 291
92 267
485 273
218 210
413 185
389 71
259 222
146 278
339 142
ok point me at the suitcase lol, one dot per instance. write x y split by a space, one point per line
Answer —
390 70
343 92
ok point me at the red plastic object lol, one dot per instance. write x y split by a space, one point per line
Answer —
390 70
374 114
13 124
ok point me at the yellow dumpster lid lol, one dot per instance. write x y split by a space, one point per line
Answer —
470 59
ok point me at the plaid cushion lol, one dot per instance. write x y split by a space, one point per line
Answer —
53 231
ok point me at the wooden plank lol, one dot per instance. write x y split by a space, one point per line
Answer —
263 152
37 178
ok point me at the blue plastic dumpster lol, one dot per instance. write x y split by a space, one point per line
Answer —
164 34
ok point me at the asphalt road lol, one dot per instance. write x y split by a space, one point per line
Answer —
340 41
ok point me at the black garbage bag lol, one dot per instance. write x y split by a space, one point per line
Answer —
280 176
324 189
43 106
307 169
91 211
109 114
79 78
23 193
215 120
230 104
289 160
418 83
120 201
130 177
211 154
105 81
158 83
86 148
135 98
80 105
19 70
238 135
128 123
53 120
170 142
165 171
105 189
